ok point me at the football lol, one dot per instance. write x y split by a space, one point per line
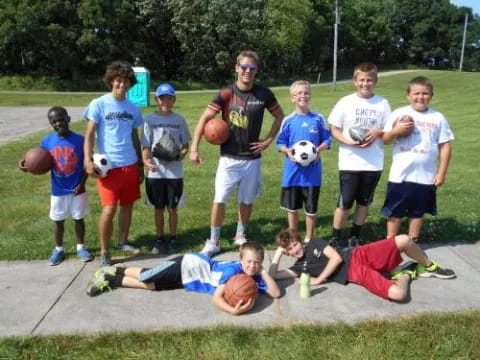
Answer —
102 164
408 120
240 287
304 152
358 133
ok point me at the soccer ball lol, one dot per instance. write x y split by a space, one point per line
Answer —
102 164
304 152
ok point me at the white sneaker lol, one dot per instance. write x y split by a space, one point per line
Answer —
210 249
240 241
126 246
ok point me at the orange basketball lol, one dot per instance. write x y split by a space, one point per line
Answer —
216 131
240 287
37 161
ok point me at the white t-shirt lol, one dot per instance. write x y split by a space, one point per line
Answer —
174 125
415 156
353 110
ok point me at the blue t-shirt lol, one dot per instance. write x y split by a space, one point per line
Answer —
296 127
115 120
202 274
67 153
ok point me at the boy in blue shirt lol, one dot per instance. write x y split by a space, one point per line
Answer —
193 272
301 184
68 179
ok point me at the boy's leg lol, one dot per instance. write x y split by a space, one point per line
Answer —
130 279
310 222
393 226
292 217
217 217
310 196
399 290
159 221
124 222
59 230
173 221
80 231
415 227
105 226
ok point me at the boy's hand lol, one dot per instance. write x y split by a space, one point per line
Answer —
21 165
438 180
150 166
290 156
91 170
79 189
241 308
195 157
260 146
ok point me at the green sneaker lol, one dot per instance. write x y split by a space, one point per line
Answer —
98 284
435 270
409 268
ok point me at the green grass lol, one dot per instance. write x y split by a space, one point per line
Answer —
26 231
427 336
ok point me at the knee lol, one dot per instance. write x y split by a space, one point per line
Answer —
109 211
396 293
403 241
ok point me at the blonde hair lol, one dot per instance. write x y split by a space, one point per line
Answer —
254 247
365 67
248 54
300 83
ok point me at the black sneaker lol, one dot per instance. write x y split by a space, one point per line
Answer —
159 246
173 244
435 270
353 242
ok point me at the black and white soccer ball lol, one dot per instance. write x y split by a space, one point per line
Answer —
102 164
304 152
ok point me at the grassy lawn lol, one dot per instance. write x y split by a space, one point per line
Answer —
27 233
429 336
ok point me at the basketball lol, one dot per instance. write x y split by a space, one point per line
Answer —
406 119
240 287
216 131
37 161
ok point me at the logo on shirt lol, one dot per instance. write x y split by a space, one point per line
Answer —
65 160
122 116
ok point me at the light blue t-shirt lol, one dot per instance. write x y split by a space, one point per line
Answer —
296 127
115 120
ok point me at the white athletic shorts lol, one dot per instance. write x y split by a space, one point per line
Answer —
244 173
62 207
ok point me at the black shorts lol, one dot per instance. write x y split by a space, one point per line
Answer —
409 199
357 186
163 193
293 198
171 277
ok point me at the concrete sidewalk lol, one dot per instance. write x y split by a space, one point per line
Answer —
41 299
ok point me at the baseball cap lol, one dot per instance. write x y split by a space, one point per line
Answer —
165 89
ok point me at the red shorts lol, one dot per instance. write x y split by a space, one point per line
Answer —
121 185
369 262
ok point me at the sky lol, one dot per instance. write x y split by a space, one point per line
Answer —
474 4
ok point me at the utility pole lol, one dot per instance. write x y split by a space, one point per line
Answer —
335 45
463 42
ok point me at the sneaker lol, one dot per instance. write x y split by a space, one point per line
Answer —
105 259
149 275
106 270
210 249
409 268
240 240
173 244
126 246
435 270
56 258
353 242
159 246
337 243
98 284
84 255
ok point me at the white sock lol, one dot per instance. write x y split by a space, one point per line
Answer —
306 240
80 246
59 248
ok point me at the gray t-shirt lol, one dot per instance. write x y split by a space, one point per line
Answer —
155 126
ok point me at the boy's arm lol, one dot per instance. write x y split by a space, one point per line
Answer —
334 260
260 146
219 301
88 149
137 147
272 287
184 150
280 274
147 159
208 114
285 150
80 188
337 133
445 155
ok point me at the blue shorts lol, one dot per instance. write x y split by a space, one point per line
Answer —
408 199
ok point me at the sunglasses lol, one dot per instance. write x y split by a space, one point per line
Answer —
245 67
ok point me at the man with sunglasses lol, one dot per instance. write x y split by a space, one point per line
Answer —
242 106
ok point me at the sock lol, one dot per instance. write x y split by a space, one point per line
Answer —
356 230
59 248
306 240
241 230
337 233
215 234
80 246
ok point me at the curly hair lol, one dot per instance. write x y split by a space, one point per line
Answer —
119 68
286 237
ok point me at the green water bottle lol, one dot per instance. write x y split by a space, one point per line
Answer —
305 283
